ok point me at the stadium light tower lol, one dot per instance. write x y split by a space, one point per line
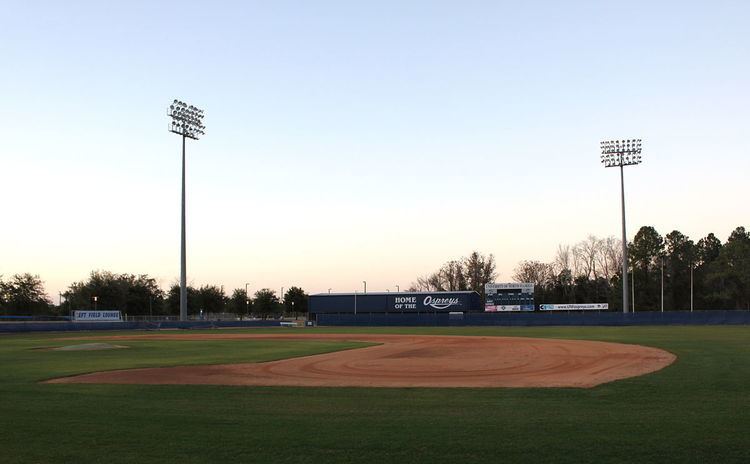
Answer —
622 153
187 121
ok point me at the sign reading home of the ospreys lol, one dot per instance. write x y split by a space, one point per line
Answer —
427 302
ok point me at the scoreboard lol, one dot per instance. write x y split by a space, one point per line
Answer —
514 296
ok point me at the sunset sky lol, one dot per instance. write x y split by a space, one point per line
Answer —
351 141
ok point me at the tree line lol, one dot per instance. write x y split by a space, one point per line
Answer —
590 271
468 273
140 295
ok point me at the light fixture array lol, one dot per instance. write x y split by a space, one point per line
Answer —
621 152
187 120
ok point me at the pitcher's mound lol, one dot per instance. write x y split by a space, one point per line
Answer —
414 361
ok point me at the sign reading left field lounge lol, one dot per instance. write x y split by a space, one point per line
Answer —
96 316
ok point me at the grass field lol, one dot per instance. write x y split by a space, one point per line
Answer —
697 410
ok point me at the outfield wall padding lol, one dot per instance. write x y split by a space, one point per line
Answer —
63 326
537 319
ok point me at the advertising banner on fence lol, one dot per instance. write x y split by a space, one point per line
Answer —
490 308
97 316
574 307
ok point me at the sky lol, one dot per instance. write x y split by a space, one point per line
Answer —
350 141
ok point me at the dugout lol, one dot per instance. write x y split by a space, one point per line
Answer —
394 302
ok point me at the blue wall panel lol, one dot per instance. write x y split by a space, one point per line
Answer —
76 326
537 319
406 302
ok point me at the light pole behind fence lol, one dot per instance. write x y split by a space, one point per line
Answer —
187 121
662 284
691 287
621 153
632 289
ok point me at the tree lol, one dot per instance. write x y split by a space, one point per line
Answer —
435 282
454 276
586 253
480 270
295 301
646 248
173 300
679 258
563 259
239 303
449 278
563 288
470 273
265 302
24 294
645 255
538 273
211 299
421 285
609 258
729 274
708 250
542 275
129 293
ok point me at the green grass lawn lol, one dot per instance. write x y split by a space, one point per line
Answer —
697 410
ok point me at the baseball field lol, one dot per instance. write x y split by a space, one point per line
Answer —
155 397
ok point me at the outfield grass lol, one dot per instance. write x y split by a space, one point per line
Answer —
697 410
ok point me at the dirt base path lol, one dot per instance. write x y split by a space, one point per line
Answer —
411 361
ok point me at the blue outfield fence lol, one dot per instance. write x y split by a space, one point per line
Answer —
9 327
537 319
417 320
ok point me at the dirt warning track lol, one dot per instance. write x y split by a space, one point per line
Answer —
410 361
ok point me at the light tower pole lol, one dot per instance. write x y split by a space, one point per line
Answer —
621 153
187 121
662 283
247 299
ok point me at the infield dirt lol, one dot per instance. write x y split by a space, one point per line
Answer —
409 361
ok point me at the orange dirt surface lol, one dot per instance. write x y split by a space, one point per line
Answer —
409 361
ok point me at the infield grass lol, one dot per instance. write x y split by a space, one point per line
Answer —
696 410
